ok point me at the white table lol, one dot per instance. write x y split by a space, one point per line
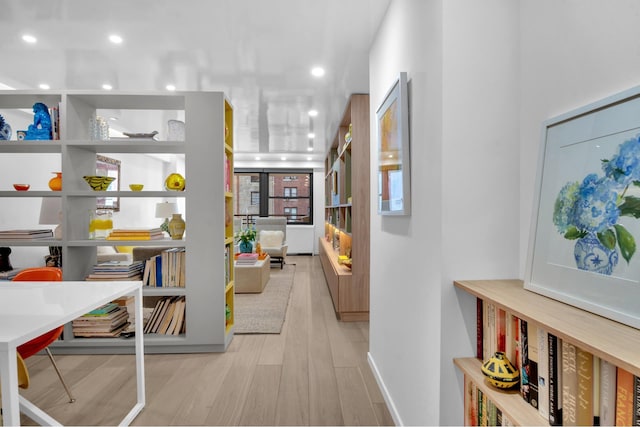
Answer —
29 309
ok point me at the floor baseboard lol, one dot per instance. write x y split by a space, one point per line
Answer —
385 393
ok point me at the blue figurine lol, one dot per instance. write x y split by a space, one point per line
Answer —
5 130
41 127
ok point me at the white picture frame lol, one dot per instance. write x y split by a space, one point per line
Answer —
394 157
586 217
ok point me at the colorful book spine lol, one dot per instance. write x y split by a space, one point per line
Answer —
584 402
524 360
569 384
479 329
543 373
624 397
554 384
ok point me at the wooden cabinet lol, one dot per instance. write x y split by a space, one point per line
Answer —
347 212
611 341
208 154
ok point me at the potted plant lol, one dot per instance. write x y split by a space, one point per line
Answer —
245 238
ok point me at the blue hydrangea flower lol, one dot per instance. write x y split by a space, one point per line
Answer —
564 206
624 166
596 209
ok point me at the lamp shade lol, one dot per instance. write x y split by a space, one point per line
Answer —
51 211
166 209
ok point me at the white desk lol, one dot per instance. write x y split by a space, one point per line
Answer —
29 309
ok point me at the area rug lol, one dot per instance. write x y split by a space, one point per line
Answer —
264 313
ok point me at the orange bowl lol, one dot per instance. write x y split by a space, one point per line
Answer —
21 187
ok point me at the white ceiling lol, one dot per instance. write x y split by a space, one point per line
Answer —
260 52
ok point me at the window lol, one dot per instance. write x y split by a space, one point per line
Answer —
291 213
269 192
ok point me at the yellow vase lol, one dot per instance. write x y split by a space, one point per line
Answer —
176 227
55 183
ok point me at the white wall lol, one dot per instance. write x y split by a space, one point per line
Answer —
462 61
572 53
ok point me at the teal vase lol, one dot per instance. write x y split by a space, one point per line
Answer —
245 247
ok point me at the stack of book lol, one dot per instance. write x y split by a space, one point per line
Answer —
26 234
246 258
136 234
166 269
168 317
117 270
106 321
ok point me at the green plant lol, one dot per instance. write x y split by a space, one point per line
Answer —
246 235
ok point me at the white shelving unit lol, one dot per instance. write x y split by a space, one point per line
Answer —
207 292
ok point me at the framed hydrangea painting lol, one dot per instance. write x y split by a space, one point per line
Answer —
586 220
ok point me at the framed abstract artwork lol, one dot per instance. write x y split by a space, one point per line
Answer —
394 161
586 219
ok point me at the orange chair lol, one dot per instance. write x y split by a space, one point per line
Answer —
28 349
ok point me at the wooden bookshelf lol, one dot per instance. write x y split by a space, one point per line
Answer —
614 342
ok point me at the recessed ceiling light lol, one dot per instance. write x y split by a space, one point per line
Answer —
107 86
170 87
115 39
317 71
29 38
44 86
257 157
311 135
313 113
283 158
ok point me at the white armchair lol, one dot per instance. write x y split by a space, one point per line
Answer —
272 235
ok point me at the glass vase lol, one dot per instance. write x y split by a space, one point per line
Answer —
100 224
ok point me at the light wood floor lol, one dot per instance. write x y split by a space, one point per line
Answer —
314 373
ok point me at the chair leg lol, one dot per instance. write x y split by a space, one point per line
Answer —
55 366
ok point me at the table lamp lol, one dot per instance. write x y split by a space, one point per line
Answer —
51 213
166 210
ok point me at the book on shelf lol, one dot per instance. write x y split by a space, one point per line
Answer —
607 393
532 365
116 270
109 324
168 316
26 234
584 398
136 234
624 397
554 347
167 269
479 330
543 373
569 384
103 310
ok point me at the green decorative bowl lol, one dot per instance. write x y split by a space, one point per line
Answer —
98 183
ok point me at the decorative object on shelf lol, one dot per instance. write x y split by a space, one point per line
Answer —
500 372
5 129
55 183
176 226
245 239
136 187
258 248
586 229
21 135
21 187
175 130
98 129
100 224
394 175
175 182
99 183
54 259
5 264
41 127
151 135
166 210
51 214
347 136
